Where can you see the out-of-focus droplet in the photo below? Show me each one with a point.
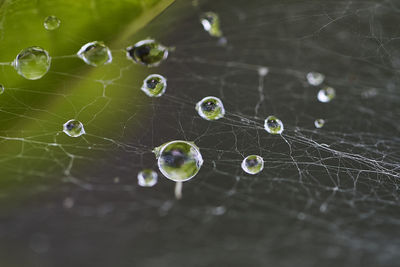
(147, 52)
(51, 23)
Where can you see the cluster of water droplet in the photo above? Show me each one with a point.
(177, 160)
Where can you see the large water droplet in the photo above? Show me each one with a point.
(32, 63)
(73, 128)
(273, 125)
(95, 53)
(253, 164)
(147, 178)
(147, 52)
(210, 108)
(211, 24)
(179, 160)
(315, 78)
(154, 85)
(326, 94)
(319, 123)
(51, 23)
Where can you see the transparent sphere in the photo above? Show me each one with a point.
(147, 178)
(154, 85)
(95, 53)
(1, 89)
(147, 52)
(326, 94)
(210, 108)
(51, 23)
(73, 128)
(273, 125)
(253, 164)
(210, 22)
(32, 63)
(315, 78)
(319, 123)
(178, 160)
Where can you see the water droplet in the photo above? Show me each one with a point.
(32, 63)
(95, 53)
(273, 125)
(147, 52)
(73, 128)
(262, 71)
(178, 160)
(319, 123)
(253, 164)
(210, 108)
(154, 85)
(210, 22)
(147, 178)
(326, 94)
(51, 23)
(1, 89)
(315, 78)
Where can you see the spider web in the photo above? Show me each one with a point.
(326, 197)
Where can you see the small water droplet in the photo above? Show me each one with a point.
(178, 160)
(147, 52)
(73, 128)
(273, 125)
(315, 78)
(147, 178)
(262, 71)
(51, 23)
(211, 24)
(319, 123)
(95, 53)
(253, 164)
(1, 89)
(32, 63)
(154, 85)
(326, 94)
(210, 108)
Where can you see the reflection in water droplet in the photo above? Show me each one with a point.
(51, 23)
(179, 160)
(210, 108)
(147, 178)
(147, 52)
(273, 125)
(253, 164)
(95, 53)
(326, 94)
(154, 85)
(319, 123)
(211, 24)
(315, 78)
(1, 89)
(73, 128)
(32, 63)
